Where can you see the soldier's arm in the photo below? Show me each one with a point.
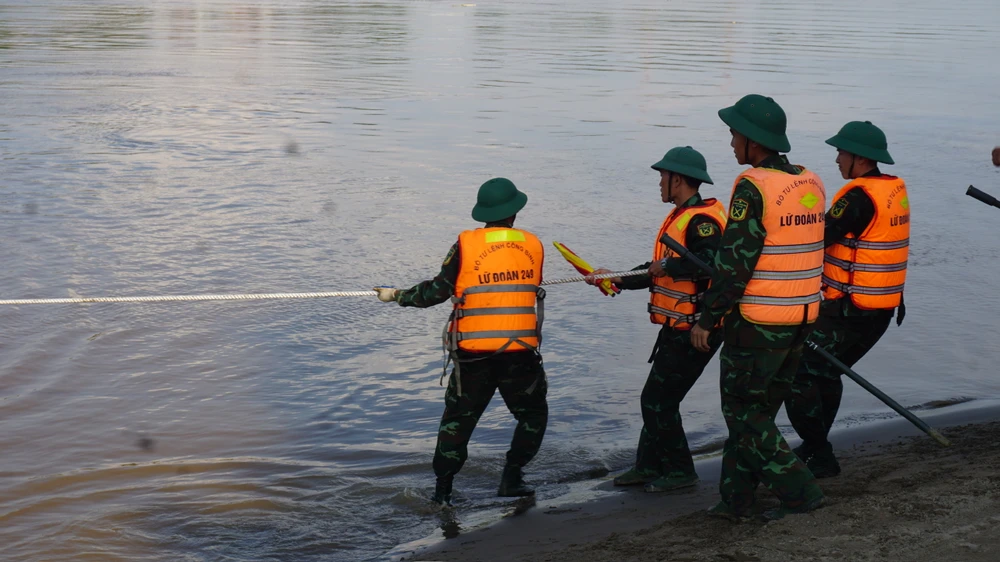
(703, 236)
(739, 250)
(851, 214)
(638, 281)
(437, 290)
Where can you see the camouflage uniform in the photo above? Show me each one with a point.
(663, 448)
(758, 365)
(518, 375)
(844, 330)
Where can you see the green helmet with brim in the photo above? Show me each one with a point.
(863, 139)
(498, 199)
(759, 119)
(685, 161)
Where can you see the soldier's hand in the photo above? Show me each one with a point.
(590, 280)
(386, 294)
(699, 339)
(996, 156)
(656, 269)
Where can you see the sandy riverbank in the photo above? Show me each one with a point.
(897, 499)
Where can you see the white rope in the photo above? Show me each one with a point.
(600, 276)
(262, 296)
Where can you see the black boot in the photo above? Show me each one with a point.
(803, 451)
(512, 483)
(823, 463)
(442, 490)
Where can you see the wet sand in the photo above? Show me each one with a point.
(898, 498)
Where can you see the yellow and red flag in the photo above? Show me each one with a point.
(581, 265)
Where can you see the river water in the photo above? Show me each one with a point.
(188, 147)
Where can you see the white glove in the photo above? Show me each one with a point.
(387, 294)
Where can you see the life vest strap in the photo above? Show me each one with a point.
(693, 278)
(873, 267)
(780, 301)
(854, 243)
(506, 288)
(486, 334)
(792, 249)
(860, 290)
(787, 275)
(681, 296)
(876, 290)
(689, 318)
(464, 312)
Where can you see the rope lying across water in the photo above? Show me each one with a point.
(264, 296)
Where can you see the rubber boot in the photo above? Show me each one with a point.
(635, 477)
(804, 507)
(803, 451)
(823, 463)
(512, 483)
(672, 482)
(723, 510)
(442, 490)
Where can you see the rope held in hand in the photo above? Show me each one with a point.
(265, 296)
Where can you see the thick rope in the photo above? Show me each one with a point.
(263, 296)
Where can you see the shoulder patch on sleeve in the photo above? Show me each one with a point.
(738, 210)
(451, 254)
(706, 229)
(839, 207)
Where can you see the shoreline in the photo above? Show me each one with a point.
(596, 521)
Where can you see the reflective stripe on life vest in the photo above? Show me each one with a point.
(674, 301)
(784, 289)
(496, 292)
(872, 268)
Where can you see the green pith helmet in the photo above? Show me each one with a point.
(685, 161)
(497, 200)
(759, 119)
(863, 139)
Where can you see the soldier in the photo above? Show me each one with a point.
(867, 243)
(663, 460)
(492, 277)
(766, 285)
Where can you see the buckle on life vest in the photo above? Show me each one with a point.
(540, 293)
(850, 243)
(457, 300)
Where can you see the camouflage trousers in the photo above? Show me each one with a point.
(815, 399)
(754, 383)
(521, 380)
(663, 446)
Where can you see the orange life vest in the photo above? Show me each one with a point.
(785, 287)
(496, 292)
(674, 300)
(872, 268)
